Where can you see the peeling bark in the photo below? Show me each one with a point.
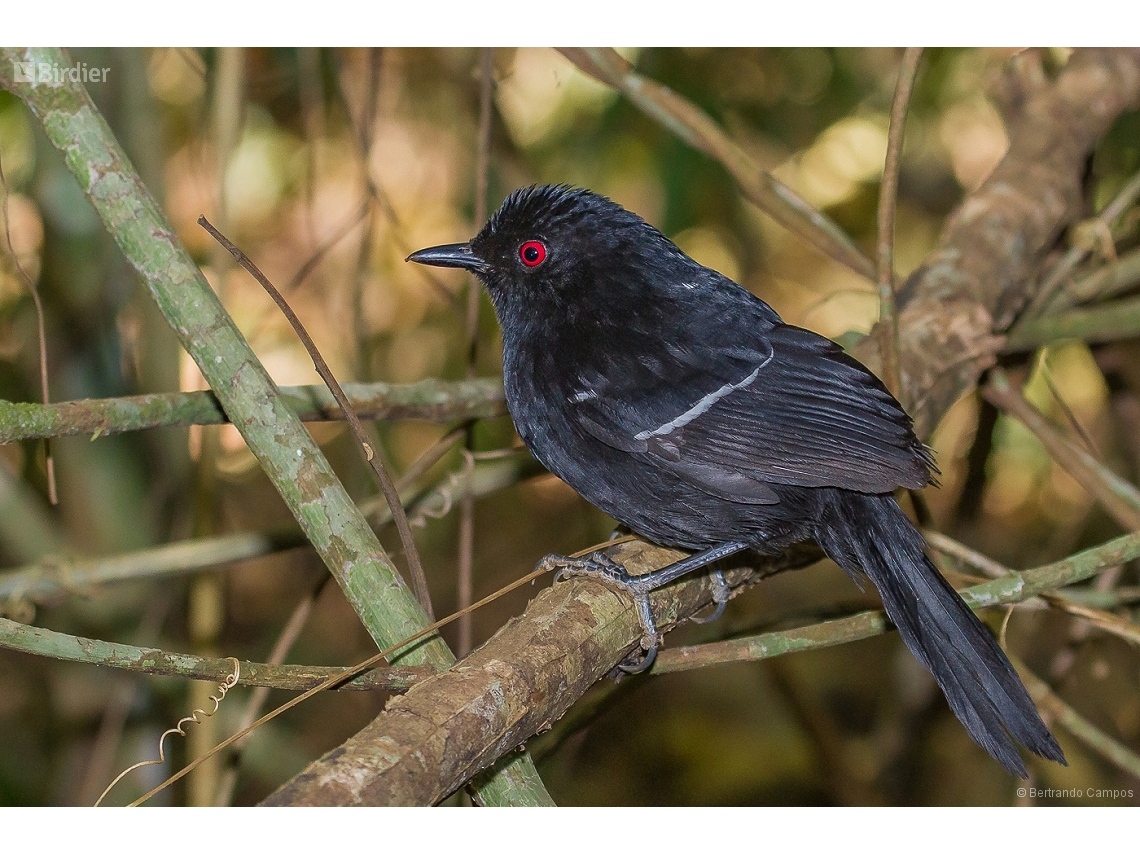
(428, 742)
(970, 289)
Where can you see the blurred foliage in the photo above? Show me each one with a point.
(325, 132)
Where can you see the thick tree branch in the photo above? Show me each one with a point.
(972, 287)
(444, 730)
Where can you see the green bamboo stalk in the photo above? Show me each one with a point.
(430, 400)
(283, 447)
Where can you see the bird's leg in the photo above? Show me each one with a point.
(605, 569)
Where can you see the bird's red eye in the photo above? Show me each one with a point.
(532, 253)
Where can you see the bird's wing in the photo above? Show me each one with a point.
(787, 408)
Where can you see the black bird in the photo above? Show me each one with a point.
(680, 404)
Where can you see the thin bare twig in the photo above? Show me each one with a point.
(697, 129)
(482, 169)
(253, 707)
(888, 204)
(1051, 295)
(349, 673)
(1092, 736)
(310, 95)
(321, 251)
(376, 191)
(53, 494)
(314, 260)
(367, 135)
(466, 558)
(960, 552)
(432, 456)
(1070, 416)
(1102, 620)
(386, 485)
(1117, 496)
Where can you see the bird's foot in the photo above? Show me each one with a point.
(720, 595)
(600, 566)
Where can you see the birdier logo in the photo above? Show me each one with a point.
(48, 72)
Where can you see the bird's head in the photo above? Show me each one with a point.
(556, 245)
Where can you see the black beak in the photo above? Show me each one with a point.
(449, 255)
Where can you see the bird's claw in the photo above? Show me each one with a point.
(720, 595)
(596, 564)
(603, 568)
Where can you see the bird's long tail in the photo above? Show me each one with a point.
(869, 534)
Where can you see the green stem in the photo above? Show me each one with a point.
(289, 456)
(56, 576)
(430, 400)
(148, 660)
(888, 203)
(1096, 325)
(1014, 588)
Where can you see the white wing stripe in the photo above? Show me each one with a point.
(702, 406)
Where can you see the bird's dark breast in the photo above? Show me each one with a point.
(634, 488)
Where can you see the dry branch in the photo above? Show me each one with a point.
(444, 730)
(1119, 498)
(697, 129)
